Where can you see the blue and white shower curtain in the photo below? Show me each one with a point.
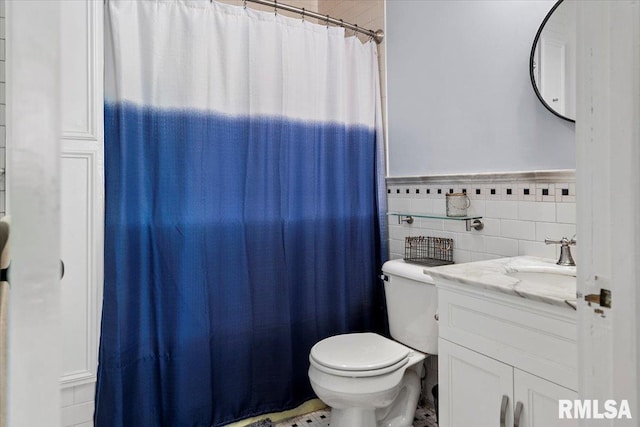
(243, 164)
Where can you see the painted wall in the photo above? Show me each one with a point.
(459, 95)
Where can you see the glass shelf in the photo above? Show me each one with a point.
(474, 222)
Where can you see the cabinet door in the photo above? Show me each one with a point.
(472, 388)
(539, 400)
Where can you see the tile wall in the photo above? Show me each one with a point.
(519, 212)
(78, 405)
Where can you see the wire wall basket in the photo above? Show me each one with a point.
(430, 251)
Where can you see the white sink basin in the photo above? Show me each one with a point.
(543, 278)
(553, 283)
(529, 277)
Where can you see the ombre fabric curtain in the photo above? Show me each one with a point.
(243, 208)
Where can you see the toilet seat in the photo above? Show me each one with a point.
(358, 355)
(358, 374)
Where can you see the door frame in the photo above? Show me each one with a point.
(33, 146)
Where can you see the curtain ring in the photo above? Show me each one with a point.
(245, 4)
(342, 23)
(275, 7)
(355, 32)
(327, 21)
(303, 14)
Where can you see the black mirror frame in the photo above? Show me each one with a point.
(531, 58)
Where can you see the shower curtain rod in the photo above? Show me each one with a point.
(378, 35)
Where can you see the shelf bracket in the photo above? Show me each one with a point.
(405, 218)
(476, 224)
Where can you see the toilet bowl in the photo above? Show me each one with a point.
(372, 381)
(369, 380)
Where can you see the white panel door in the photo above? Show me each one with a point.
(33, 149)
(472, 388)
(607, 173)
(81, 188)
(539, 399)
(552, 73)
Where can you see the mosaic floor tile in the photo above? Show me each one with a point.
(425, 417)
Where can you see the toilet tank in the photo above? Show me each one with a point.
(411, 305)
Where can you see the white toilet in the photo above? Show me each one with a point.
(369, 380)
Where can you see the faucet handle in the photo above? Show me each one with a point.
(564, 241)
(565, 252)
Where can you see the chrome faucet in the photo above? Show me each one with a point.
(565, 250)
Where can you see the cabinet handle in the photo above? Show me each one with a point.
(518, 414)
(503, 410)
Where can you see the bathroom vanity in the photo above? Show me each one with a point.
(507, 342)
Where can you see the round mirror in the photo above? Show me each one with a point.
(552, 64)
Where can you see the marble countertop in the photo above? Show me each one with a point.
(527, 277)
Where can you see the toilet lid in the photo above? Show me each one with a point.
(358, 352)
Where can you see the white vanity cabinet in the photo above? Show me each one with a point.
(501, 354)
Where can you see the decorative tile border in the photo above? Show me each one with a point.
(538, 186)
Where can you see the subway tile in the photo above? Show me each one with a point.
(536, 211)
(399, 205)
(566, 213)
(397, 247)
(501, 246)
(469, 242)
(537, 249)
(455, 226)
(399, 232)
(501, 209)
(440, 206)
(554, 231)
(478, 207)
(421, 206)
(392, 220)
(432, 224)
(84, 393)
(525, 230)
(460, 257)
(66, 396)
(77, 414)
(491, 227)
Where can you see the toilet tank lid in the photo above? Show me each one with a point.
(398, 267)
(358, 352)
